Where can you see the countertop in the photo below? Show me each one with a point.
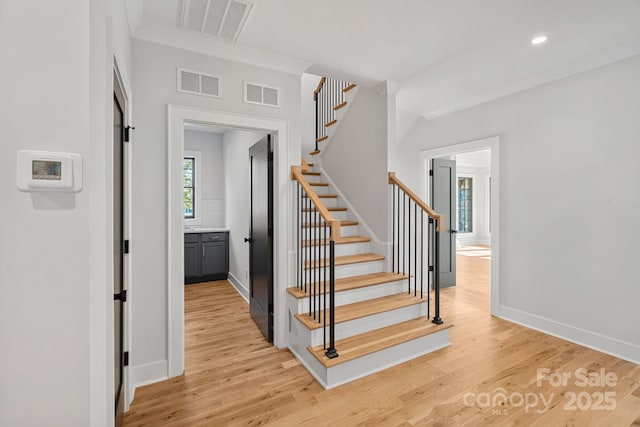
(196, 229)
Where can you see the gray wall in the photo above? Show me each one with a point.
(356, 159)
(238, 205)
(212, 175)
(154, 84)
(569, 200)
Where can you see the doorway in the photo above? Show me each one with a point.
(261, 237)
(178, 116)
(119, 297)
(473, 224)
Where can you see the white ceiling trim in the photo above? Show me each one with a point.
(585, 63)
(178, 39)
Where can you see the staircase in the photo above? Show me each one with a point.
(349, 316)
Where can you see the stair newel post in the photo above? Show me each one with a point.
(436, 279)
(331, 351)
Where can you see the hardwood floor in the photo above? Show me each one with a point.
(233, 377)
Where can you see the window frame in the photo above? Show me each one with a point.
(473, 179)
(197, 180)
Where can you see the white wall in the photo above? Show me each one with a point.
(55, 324)
(238, 205)
(212, 168)
(154, 83)
(356, 160)
(568, 162)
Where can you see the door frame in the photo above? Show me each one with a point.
(178, 115)
(492, 143)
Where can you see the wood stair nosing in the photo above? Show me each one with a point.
(322, 138)
(323, 196)
(370, 342)
(314, 152)
(344, 260)
(343, 223)
(339, 106)
(358, 310)
(348, 88)
(331, 123)
(340, 241)
(319, 184)
(353, 282)
(332, 209)
(310, 173)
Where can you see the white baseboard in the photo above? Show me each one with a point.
(611, 346)
(149, 373)
(239, 286)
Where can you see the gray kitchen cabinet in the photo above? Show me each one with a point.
(206, 256)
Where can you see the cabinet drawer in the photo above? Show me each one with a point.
(214, 237)
(192, 238)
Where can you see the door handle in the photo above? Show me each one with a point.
(247, 239)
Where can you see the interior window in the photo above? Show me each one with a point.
(188, 179)
(465, 205)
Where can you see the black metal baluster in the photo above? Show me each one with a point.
(436, 281)
(415, 249)
(324, 279)
(331, 351)
(409, 245)
(422, 255)
(393, 226)
(398, 233)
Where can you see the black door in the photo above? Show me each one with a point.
(261, 238)
(118, 248)
(443, 201)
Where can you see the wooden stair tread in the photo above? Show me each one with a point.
(370, 342)
(357, 310)
(339, 106)
(342, 224)
(314, 152)
(323, 196)
(345, 260)
(311, 173)
(322, 138)
(340, 241)
(353, 282)
(331, 123)
(318, 184)
(348, 88)
(334, 209)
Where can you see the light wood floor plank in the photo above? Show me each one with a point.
(233, 377)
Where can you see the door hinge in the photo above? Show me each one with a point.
(127, 133)
(125, 358)
(430, 220)
(431, 268)
(430, 172)
(125, 247)
(122, 296)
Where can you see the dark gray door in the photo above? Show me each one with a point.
(443, 201)
(261, 237)
(118, 248)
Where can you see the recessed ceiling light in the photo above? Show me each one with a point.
(538, 40)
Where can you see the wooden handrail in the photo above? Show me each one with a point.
(296, 174)
(319, 88)
(418, 201)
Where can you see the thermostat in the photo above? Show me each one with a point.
(49, 171)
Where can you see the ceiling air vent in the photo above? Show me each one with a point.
(198, 83)
(259, 94)
(223, 19)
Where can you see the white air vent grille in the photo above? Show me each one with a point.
(260, 94)
(198, 83)
(218, 18)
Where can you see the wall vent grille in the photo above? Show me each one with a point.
(255, 93)
(198, 83)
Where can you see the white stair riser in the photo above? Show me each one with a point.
(356, 295)
(383, 359)
(341, 250)
(321, 190)
(314, 178)
(369, 323)
(347, 270)
(330, 202)
(350, 230)
(311, 217)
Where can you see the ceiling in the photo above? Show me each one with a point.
(438, 56)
